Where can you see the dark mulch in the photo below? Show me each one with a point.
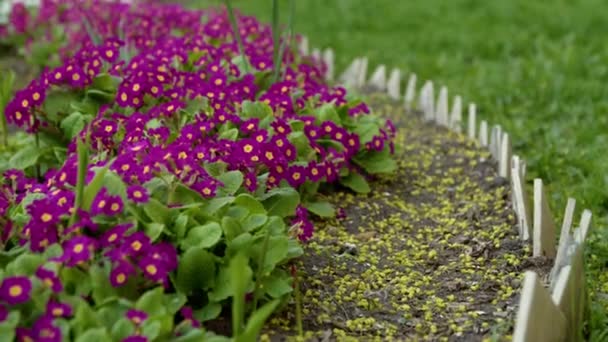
(431, 253)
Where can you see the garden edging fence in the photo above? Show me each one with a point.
(544, 314)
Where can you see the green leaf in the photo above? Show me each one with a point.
(72, 124)
(93, 188)
(58, 102)
(95, 334)
(154, 230)
(327, 112)
(294, 249)
(180, 225)
(208, 312)
(204, 236)
(122, 329)
(215, 204)
(281, 201)
(356, 182)
(196, 270)
(195, 335)
(230, 134)
(321, 208)
(84, 319)
(251, 203)
(25, 264)
(174, 302)
(256, 321)
(301, 142)
(231, 227)
(232, 181)
(254, 221)
(25, 157)
(277, 286)
(276, 252)
(377, 162)
(240, 277)
(157, 211)
(256, 109)
(151, 302)
(102, 288)
(151, 328)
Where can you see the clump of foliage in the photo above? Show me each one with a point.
(160, 184)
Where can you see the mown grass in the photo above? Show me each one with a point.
(538, 68)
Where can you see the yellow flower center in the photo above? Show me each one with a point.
(78, 248)
(15, 291)
(151, 269)
(46, 217)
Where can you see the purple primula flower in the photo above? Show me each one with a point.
(15, 290)
(56, 309)
(78, 250)
(49, 279)
(188, 316)
(45, 331)
(114, 236)
(135, 338)
(136, 316)
(136, 243)
(121, 273)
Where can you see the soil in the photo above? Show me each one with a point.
(432, 253)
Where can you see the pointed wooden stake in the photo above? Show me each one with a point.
(348, 77)
(393, 84)
(316, 54)
(362, 72)
(441, 111)
(329, 59)
(544, 226)
(538, 319)
(456, 115)
(570, 295)
(585, 224)
(410, 92)
(520, 199)
(427, 98)
(304, 46)
(378, 78)
(495, 141)
(472, 121)
(483, 133)
(504, 162)
(565, 240)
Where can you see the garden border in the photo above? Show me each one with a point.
(550, 313)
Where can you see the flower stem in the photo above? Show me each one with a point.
(237, 33)
(298, 298)
(260, 271)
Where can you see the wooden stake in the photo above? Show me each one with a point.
(378, 78)
(472, 121)
(410, 92)
(495, 141)
(538, 319)
(483, 133)
(544, 226)
(441, 112)
(565, 240)
(329, 59)
(393, 84)
(520, 199)
(362, 72)
(456, 115)
(504, 162)
(348, 77)
(316, 54)
(304, 46)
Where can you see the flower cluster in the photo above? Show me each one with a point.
(178, 138)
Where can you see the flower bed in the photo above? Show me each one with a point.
(164, 177)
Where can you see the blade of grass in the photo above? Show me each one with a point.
(5, 94)
(83, 163)
(276, 39)
(237, 34)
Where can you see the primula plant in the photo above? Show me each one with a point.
(161, 186)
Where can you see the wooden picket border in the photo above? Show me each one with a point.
(547, 312)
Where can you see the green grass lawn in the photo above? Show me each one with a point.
(538, 68)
